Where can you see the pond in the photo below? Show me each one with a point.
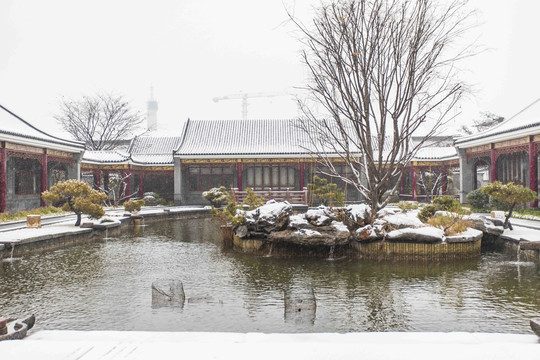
(106, 285)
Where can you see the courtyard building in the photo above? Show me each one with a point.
(31, 161)
(507, 152)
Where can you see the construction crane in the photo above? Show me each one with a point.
(245, 96)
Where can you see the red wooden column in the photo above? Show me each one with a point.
(444, 179)
(44, 173)
(302, 168)
(533, 171)
(127, 176)
(239, 176)
(3, 178)
(493, 164)
(141, 184)
(413, 182)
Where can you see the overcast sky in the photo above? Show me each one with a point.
(194, 50)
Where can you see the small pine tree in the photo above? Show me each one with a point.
(76, 196)
(253, 200)
(327, 194)
(510, 194)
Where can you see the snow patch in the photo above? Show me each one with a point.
(296, 220)
(358, 212)
(307, 232)
(339, 226)
(427, 231)
(407, 219)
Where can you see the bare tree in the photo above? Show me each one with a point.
(487, 120)
(430, 183)
(100, 121)
(382, 71)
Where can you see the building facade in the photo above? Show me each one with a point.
(507, 152)
(31, 161)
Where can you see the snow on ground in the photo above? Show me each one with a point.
(90, 345)
(404, 219)
(318, 212)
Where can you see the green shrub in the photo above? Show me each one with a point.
(447, 203)
(427, 212)
(326, 194)
(407, 205)
(478, 199)
(217, 196)
(253, 200)
(134, 205)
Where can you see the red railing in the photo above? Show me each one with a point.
(292, 196)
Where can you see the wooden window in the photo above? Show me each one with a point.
(205, 178)
(274, 177)
(27, 177)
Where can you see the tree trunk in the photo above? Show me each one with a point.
(507, 224)
(78, 222)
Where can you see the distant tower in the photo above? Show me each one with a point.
(152, 108)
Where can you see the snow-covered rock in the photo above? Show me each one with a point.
(403, 220)
(468, 235)
(358, 212)
(424, 234)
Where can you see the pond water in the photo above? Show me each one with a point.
(106, 285)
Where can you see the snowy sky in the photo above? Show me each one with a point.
(194, 50)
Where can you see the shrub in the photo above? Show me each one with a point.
(407, 205)
(447, 203)
(217, 196)
(450, 224)
(427, 212)
(253, 200)
(134, 205)
(327, 194)
(478, 199)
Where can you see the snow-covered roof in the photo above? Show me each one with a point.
(153, 149)
(14, 129)
(143, 150)
(221, 138)
(525, 122)
(105, 156)
(242, 137)
(436, 153)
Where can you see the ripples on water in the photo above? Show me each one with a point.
(106, 286)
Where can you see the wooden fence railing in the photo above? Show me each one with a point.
(292, 196)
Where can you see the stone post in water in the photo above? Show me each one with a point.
(168, 293)
(300, 305)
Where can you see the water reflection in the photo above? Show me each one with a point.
(107, 285)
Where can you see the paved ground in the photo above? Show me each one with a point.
(89, 345)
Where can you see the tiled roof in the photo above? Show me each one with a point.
(153, 150)
(105, 156)
(242, 137)
(436, 153)
(528, 117)
(261, 137)
(11, 124)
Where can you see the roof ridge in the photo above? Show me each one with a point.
(74, 142)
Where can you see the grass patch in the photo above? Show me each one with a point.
(21, 215)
